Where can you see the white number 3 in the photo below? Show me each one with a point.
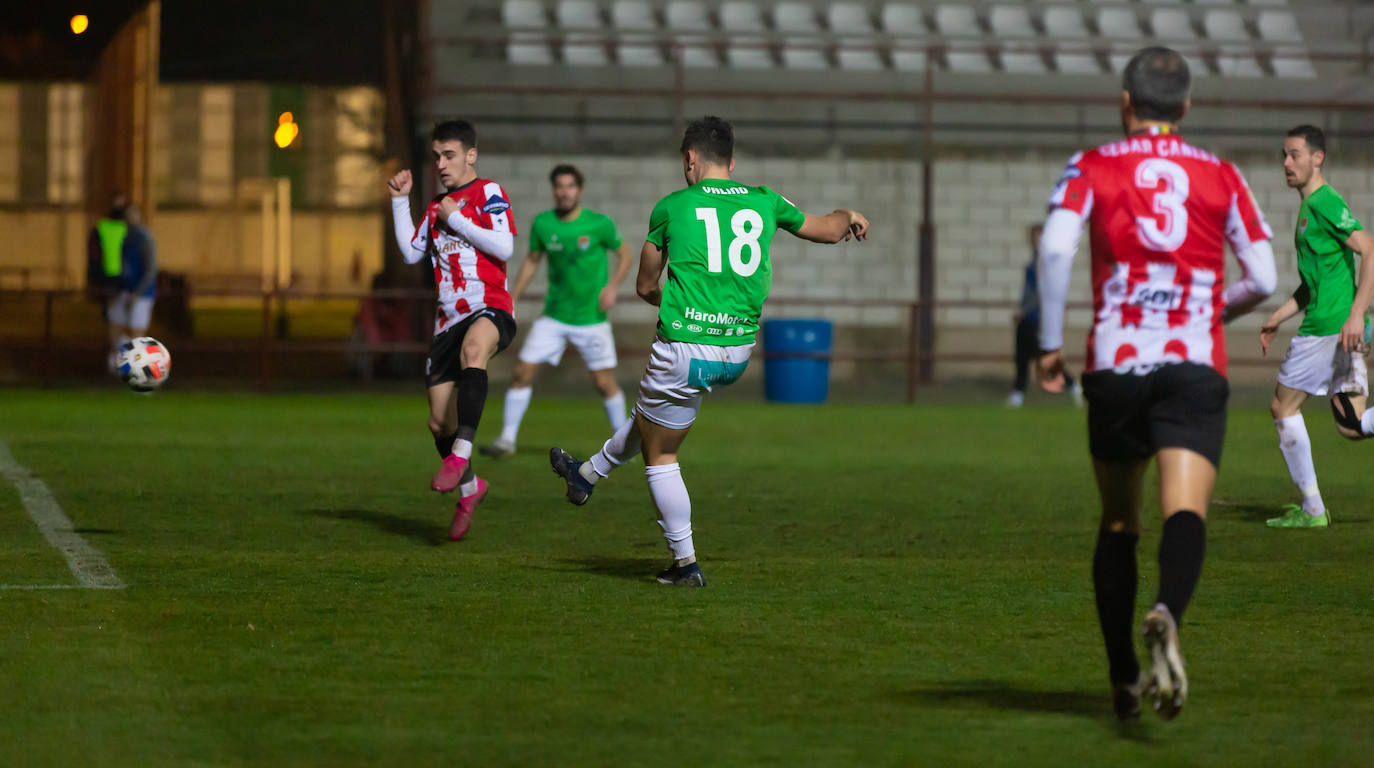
(1168, 204)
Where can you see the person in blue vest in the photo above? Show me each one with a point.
(1028, 333)
(132, 309)
(104, 262)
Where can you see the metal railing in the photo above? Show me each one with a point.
(265, 345)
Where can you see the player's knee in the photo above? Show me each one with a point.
(475, 354)
(436, 425)
(1278, 410)
(606, 386)
(522, 376)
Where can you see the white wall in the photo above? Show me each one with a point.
(983, 206)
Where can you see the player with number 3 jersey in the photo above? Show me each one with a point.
(1160, 213)
(713, 237)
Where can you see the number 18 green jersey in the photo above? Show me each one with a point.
(715, 235)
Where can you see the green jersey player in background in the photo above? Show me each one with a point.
(574, 240)
(1327, 355)
(713, 238)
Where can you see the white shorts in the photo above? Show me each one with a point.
(679, 372)
(1319, 366)
(548, 338)
(130, 311)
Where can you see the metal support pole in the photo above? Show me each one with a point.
(47, 339)
(913, 350)
(925, 267)
(265, 361)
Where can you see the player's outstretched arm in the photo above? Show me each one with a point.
(1289, 308)
(651, 263)
(398, 187)
(623, 260)
(528, 268)
(1054, 266)
(834, 227)
(1256, 285)
(1352, 333)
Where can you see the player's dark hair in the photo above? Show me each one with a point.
(455, 130)
(711, 137)
(1157, 79)
(565, 170)
(1315, 138)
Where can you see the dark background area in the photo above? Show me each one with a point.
(309, 41)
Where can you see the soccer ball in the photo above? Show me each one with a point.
(144, 364)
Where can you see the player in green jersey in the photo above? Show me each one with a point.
(574, 240)
(713, 238)
(1327, 355)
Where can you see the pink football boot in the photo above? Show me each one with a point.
(462, 514)
(450, 473)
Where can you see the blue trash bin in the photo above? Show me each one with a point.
(796, 360)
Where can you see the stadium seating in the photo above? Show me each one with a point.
(855, 50)
(904, 20)
(634, 21)
(749, 50)
(1013, 22)
(526, 47)
(1230, 38)
(689, 21)
(585, 48)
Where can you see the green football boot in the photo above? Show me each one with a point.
(1295, 517)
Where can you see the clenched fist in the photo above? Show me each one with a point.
(399, 185)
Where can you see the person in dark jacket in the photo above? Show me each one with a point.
(1028, 333)
(132, 308)
(104, 262)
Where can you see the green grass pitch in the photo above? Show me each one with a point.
(886, 586)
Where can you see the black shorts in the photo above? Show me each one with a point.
(1132, 417)
(446, 348)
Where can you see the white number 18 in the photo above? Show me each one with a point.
(747, 226)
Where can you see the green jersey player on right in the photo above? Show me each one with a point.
(1327, 355)
(713, 237)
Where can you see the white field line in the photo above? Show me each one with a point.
(89, 566)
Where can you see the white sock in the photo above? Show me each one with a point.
(622, 446)
(1367, 422)
(462, 448)
(468, 488)
(1297, 453)
(615, 409)
(517, 401)
(674, 508)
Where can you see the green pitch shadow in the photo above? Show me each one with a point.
(1258, 513)
(630, 568)
(421, 531)
(1001, 695)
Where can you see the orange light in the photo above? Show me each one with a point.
(287, 130)
(285, 134)
(80, 23)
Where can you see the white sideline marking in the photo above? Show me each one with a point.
(87, 563)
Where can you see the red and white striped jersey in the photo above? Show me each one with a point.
(1159, 212)
(468, 279)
